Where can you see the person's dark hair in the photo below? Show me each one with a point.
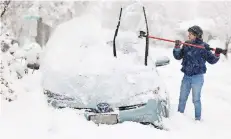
(196, 30)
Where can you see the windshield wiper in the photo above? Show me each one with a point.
(116, 32)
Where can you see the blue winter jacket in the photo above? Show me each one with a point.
(194, 58)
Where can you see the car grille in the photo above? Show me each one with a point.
(61, 101)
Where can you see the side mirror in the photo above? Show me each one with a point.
(162, 61)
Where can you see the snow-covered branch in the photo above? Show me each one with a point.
(4, 6)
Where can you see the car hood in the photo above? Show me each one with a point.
(117, 89)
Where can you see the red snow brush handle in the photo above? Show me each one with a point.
(143, 34)
(198, 46)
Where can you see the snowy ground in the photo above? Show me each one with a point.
(29, 116)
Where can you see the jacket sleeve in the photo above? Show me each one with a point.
(210, 57)
(178, 53)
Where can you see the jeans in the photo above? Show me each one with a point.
(195, 83)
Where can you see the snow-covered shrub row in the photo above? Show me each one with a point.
(15, 62)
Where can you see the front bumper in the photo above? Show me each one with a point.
(143, 113)
(147, 113)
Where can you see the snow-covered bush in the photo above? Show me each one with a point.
(6, 91)
(14, 61)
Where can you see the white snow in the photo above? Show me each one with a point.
(30, 117)
(92, 67)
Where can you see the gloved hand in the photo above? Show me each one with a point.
(177, 43)
(218, 51)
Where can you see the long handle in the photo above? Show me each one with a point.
(143, 34)
(198, 46)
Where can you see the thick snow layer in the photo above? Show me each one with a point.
(81, 64)
(30, 117)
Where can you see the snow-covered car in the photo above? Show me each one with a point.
(80, 71)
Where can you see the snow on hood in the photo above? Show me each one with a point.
(78, 62)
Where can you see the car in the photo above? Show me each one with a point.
(79, 71)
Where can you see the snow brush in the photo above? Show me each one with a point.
(143, 34)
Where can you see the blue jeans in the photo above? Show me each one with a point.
(195, 83)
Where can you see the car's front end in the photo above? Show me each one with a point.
(150, 111)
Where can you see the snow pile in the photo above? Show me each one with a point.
(94, 74)
(31, 52)
(30, 117)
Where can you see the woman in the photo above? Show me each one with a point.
(193, 67)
